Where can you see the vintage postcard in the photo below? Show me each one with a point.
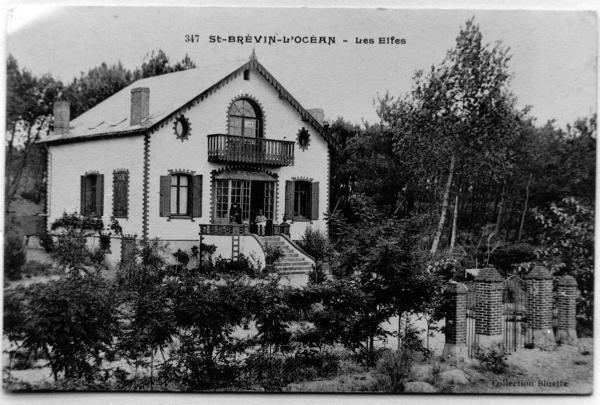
(333, 200)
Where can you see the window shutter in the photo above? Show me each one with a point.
(120, 194)
(314, 203)
(100, 195)
(82, 196)
(165, 196)
(289, 199)
(197, 197)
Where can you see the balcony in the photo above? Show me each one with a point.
(239, 149)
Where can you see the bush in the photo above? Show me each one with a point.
(42, 316)
(493, 359)
(14, 256)
(393, 370)
(47, 242)
(273, 254)
(315, 243)
(506, 257)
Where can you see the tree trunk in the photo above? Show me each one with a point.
(500, 211)
(521, 225)
(454, 224)
(400, 328)
(151, 369)
(442, 222)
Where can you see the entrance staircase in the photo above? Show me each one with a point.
(293, 261)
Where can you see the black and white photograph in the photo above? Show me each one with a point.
(299, 200)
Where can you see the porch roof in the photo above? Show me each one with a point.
(244, 175)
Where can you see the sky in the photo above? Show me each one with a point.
(553, 65)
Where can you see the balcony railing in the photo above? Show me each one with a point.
(241, 149)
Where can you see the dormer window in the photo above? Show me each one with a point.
(245, 119)
(247, 74)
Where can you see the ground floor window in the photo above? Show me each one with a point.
(301, 199)
(242, 200)
(181, 195)
(92, 195)
(180, 188)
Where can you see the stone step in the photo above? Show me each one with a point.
(286, 263)
(294, 267)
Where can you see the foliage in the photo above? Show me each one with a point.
(47, 242)
(392, 371)
(14, 256)
(82, 309)
(74, 221)
(274, 316)
(379, 275)
(393, 368)
(506, 258)
(567, 246)
(316, 244)
(70, 250)
(273, 254)
(493, 359)
(182, 257)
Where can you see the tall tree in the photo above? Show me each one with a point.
(28, 117)
(460, 116)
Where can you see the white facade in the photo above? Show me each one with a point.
(68, 162)
(281, 122)
(165, 153)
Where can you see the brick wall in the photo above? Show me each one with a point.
(539, 298)
(566, 302)
(456, 313)
(488, 312)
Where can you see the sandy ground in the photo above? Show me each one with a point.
(565, 370)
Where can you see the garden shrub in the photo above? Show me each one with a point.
(82, 309)
(316, 244)
(493, 359)
(14, 256)
(273, 254)
(393, 370)
(47, 242)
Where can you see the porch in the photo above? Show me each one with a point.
(245, 229)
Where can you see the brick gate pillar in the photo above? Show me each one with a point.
(488, 320)
(455, 348)
(566, 302)
(539, 308)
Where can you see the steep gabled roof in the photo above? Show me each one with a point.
(169, 94)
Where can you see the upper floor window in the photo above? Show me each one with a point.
(245, 118)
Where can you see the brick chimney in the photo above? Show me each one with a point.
(140, 105)
(317, 114)
(62, 116)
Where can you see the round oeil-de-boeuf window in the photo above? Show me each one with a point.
(303, 138)
(182, 128)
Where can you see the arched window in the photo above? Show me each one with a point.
(245, 119)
